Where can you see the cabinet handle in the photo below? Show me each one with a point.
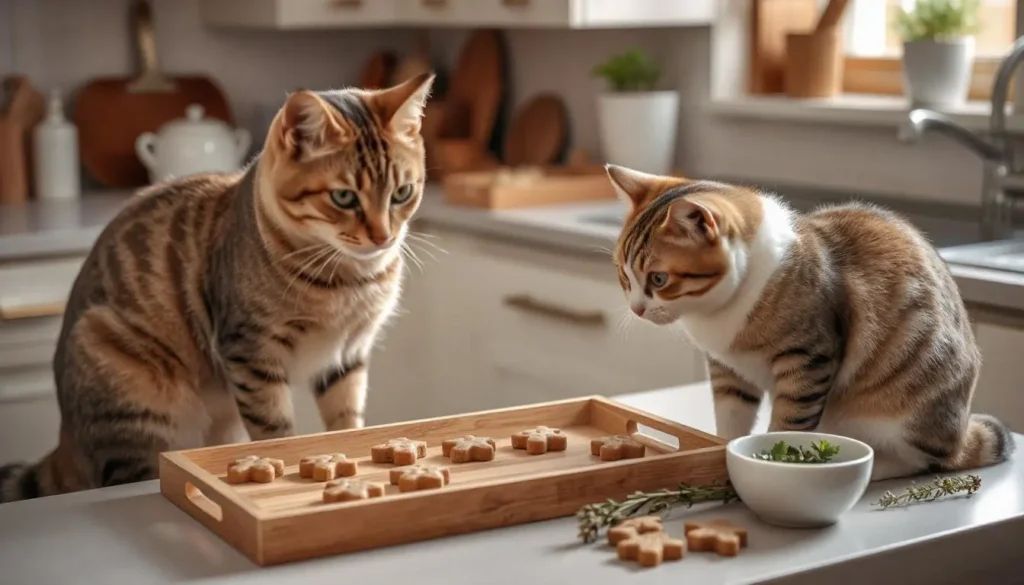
(32, 311)
(347, 3)
(515, 2)
(435, 3)
(532, 305)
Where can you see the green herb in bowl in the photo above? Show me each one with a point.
(820, 452)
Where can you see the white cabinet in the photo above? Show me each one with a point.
(572, 14)
(299, 14)
(508, 324)
(32, 295)
(1000, 389)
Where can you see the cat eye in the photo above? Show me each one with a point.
(657, 279)
(344, 198)
(402, 194)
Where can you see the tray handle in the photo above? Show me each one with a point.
(630, 421)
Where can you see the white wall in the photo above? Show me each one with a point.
(65, 42)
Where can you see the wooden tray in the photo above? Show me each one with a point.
(287, 521)
(555, 185)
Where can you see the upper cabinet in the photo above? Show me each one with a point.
(580, 14)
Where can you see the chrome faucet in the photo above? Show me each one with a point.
(1003, 181)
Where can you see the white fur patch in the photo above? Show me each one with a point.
(735, 296)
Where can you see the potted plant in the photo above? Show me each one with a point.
(638, 123)
(938, 51)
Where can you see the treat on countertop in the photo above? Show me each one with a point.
(633, 526)
(651, 548)
(719, 536)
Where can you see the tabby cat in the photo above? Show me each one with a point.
(845, 318)
(208, 299)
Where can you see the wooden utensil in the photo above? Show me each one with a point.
(814, 64)
(24, 107)
(771, 21)
(111, 112)
(831, 16)
(378, 71)
(478, 81)
(538, 133)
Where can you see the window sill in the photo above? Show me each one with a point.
(851, 110)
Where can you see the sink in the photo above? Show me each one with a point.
(1006, 255)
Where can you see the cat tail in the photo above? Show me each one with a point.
(20, 481)
(988, 441)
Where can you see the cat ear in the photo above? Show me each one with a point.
(402, 105)
(307, 128)
(631, 186)
(693, 219)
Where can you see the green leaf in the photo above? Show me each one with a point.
(938, 20)
(629, 71)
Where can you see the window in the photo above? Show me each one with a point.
(873, 46)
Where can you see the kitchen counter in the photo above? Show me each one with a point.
(131, 534)
(71, 227)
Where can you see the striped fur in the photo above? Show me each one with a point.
(209, 299)
(846, 319)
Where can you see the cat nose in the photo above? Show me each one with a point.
(380, 238)
(638, 310)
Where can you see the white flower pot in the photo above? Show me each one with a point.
(638, 129)
(937, 74)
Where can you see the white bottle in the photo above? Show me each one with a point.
(55, 154)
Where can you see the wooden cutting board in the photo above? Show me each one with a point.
(538, 133)
(112, 112)
(771, 20)
(23, 108)
(478, 82)
(378, 71)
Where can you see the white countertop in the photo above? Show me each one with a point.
(131, 534)
(70, 227)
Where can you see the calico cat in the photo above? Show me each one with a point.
(845, 318)
(208, 299)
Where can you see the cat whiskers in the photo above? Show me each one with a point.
(325, 249)
(623, 322)
(408, 252)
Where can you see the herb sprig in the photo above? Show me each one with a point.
(820, 452)
(593, 517)
(938, 488)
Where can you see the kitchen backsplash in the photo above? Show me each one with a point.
(63, 43)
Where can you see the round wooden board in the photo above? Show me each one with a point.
(378, 71)
(538, 132)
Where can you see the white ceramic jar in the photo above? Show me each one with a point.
(192, 145)
(638, 129)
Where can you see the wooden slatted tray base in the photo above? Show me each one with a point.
(286, 520)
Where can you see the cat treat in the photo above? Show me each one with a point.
(632, 527)
(327, 467)
(540, 440)
(617, 447)
(420, 477)
(255, 469)
(715, 536)
(651, 548)
(347, 490)
(468, 448)
(400, 451)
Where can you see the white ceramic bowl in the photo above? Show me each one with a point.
(799, 495)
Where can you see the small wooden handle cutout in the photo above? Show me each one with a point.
(633, 430)
(199, 500)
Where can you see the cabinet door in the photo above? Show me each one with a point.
(299, 14)
(518, 326)
(999, 389)
(489, 13)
